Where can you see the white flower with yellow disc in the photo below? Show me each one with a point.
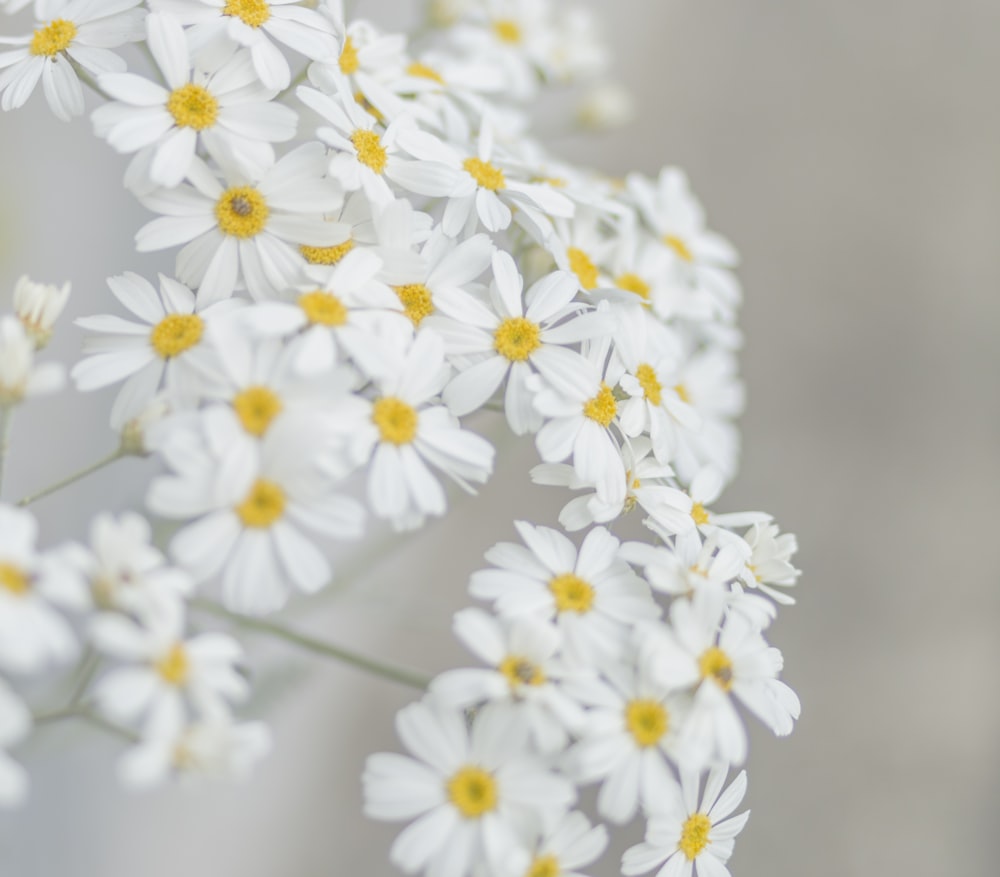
(559, 849)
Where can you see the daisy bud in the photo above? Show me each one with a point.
(605, 106)
(19, 376)
(135, 430)
(38, 306)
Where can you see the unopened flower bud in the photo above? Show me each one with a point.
(38, 306)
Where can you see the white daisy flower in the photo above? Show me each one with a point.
(15, 724)
(224, 109)
(560, 849)
(76, 32)
(20, 377)
(156, 352)
(38, 306)
(705, 489)
(471, 791)
(583, 246)
(770, 564)
(593, 597)
(247, 230)
(689, 838)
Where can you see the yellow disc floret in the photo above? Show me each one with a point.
(516, 338)
(256, 407)
(174, 666)
(473, 791)
(416, 300)
(52, 39)
(633, 283)
(371, 152)
(242, 212)
(176, 333)
(651, 387)
(716, 664)
(253, 13)
(680, 248)
(13, 580)
(603, 407)
(582, 266)
(507, 31)
(521, 671)
(193, 107)
(694, 835)
(572, 593)
(323, 308)
(264, 504)
(326, 255)
(485, 174)
(699, 514)
(544, 866)
(396, 421)
(348, 61)
(647, 721)
(422, 71)
(682, 393)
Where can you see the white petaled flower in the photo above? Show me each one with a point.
(584, 246)
(526, 669)
(147, 355)
(38, 306)
(470, 791)
(250, 501)
(688, 566)
(514, 336)
(560, 849)
(770, 564)
(691, 838)
(216, 24)
(247, 230)
(15, 723)
(166, 673)
(75, 32)
(705, 489)
(20, 377)
(224, 109)
(593, 597)
(34, 635)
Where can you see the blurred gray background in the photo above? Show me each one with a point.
(852, 152)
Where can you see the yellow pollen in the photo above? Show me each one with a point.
(193, 107)
(253, 13)
(264, 504)
(52, 39)
(716, 664)
(242, 212)
(473, 792)
(694, 835)
(416, 300)
(349, 58)
(396, 421)
(603, 407)
(682, 393)
(647, 721)
(173, 667)
(368, 106)
(323, 308)
(699, 513)
(485, 174)
(633, 283)
(176, 333)
(370, 150)
(572, 593)
(517, 338)
(326, 255)
(651, 386)
(753, 572)
(679, 247)
(544, 866)
(520, 671)
(422, 71)
(256, 408)
(507, 31)
(13, 580)
(581, 265)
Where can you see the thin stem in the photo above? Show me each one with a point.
(88, 80)
(72, 479)
(88, 667)
(85, 713)
(6, 421)
(258, 625)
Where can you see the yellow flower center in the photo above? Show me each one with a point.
(521, 671)
(473, 792)
(349, 58)
(507, 31)
(176, 333)
(371, 152)
(682, 393)
(416, 300)
(603, 407)
(699, 514)
(651, 387)
(716, 664)
(242, 212)
(634, 283)
(647, 721)
(256, 408)
(544, 866)
(193, 107)
(694, 835)
(264, 504)
(572, 593)
(422, 71)
(516, 338)
(677, 244)
(13, 580)
(485, 174)
(173, 667)
(396, 421)
(581, 265)
(326, 255)
(52, 39)
(251, 12)
(323, 308)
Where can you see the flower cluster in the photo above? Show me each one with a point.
(367, 255)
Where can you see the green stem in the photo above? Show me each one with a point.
(88, 80)
(6, 421)
(72, 479)
(86, 714)
(258, 625)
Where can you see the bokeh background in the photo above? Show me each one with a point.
(852, 152)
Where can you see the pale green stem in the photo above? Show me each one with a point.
(86, 714)
(88, 80)
(6, 421)
(72, 479)
(258, 625)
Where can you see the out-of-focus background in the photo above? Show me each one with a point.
(853, 154)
